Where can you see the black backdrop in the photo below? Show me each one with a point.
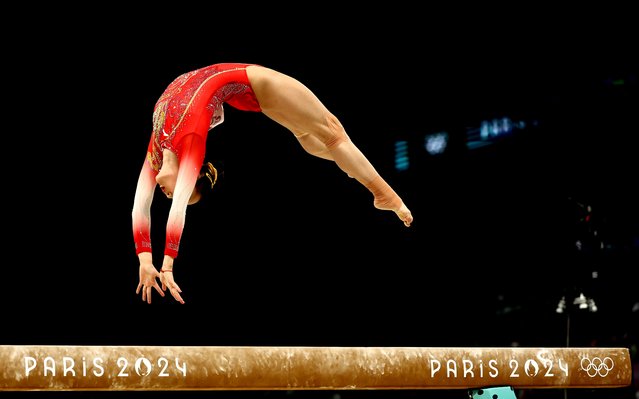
(289, 251)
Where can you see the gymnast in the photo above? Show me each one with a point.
(190, 106)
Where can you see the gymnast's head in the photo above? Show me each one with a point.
(204, 184)
(167, 177)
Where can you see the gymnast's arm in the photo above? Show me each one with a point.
(191, 158)
(141, 218)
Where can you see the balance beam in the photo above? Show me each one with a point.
(149, 368)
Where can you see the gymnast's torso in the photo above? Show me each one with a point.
(192, 104)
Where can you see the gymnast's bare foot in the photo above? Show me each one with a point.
(405, 215)
(402, 211)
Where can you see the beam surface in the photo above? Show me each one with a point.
(307, 368)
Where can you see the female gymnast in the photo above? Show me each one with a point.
(192, 105)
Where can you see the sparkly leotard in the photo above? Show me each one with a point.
(189, 107)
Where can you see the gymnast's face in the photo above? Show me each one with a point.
(167, 178)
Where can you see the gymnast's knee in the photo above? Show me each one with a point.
(337, 133)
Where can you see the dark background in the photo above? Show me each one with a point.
(290, 251)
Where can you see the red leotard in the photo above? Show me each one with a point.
(189, 107)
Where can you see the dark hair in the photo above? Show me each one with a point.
(206, 179)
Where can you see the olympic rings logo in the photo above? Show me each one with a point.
(597, 366)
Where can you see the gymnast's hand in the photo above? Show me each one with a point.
(166, 276)
(148, 278)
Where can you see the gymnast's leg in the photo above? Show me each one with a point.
(293, 105)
